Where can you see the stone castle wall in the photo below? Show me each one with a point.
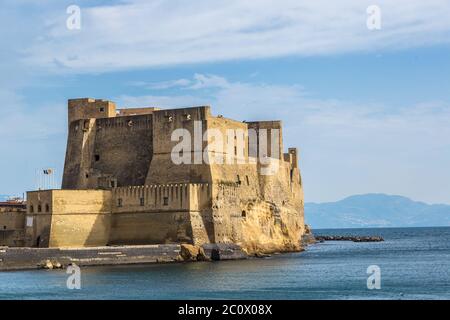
(12, 224)
(68, 218)
(125, 188)
(108, 152)
(122, 216)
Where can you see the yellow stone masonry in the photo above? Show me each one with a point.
(121, 187)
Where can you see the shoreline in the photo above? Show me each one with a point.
(25, 258)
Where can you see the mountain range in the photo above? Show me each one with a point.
(376, 210)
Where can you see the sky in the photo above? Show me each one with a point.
(368, 109)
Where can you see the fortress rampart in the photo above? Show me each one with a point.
(121, 185)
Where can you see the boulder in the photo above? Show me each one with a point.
(48, 265)
(201, 256)
(224, 251)
(189, 252)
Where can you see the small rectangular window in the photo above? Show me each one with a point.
(102, 109)
(119, 202)
(29, 221)
(97, 157)
(141, 201)
(166, 201)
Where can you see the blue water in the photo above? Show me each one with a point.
(414, 262)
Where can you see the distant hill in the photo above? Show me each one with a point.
(376, 210)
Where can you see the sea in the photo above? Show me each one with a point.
(412, 263)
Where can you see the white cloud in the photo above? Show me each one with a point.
(137, 33)
(345, 148)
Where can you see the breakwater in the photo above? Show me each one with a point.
(321, 238)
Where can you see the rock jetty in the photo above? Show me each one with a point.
(349, 238)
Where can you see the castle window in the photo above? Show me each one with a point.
(166, 201)
(39, 208)
(102, 109)
(113, 183)
(47, 208)
(248, 181)
(141, 201)
(244, 214)
(31, 209)
(119, 202)
(238, 179)
(97, 157)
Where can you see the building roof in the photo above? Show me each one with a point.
(13, 204)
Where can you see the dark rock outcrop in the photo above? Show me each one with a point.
(190, 252)
(350, 238)
(224, 251)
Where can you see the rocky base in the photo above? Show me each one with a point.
(58, 258)
(308, 239)
(224, 251)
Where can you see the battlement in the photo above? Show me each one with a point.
(174, 196)
(127, 122)
(86, 108)
(136, 111)
(180, 115)
(270, 124)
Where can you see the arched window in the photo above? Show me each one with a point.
(31, 209)
(39, 208)
(47, 208)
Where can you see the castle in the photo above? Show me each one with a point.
(122, 186)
